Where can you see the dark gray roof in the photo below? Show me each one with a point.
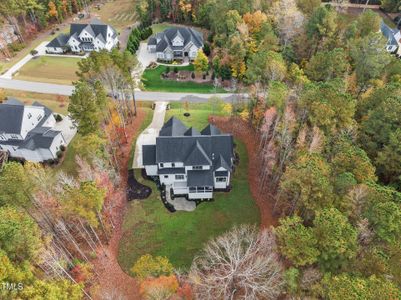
(152, 41)
(39, 137)
(175, 149)
(221, 173)
(197, 156)
(11, 116)
(174, 144)
(192, 132)
(173, 127)
(94, 28)
(171, 171)
(13, 101)
(200, 178)
(221, 162)
(167, 36)
(210, 130)
(59, 41)
(149, 155)
(389, 34)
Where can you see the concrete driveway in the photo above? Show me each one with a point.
(144, 56)
(67, 128)
(148, 136)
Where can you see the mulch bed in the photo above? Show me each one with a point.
(135, 189)
(242, 131)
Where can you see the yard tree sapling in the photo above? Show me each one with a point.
(201, 62)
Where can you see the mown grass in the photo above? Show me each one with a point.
(149, 228)
(56, 103)
(60, 70)
(152, 81)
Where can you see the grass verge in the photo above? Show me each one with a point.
(152, 81)
(60, 70)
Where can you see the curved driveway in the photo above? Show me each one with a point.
(66, 90)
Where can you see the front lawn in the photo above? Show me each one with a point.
(149, 228)
(60, 70)
(152, 81)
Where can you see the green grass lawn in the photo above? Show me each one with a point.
(152, 81)
(149, 228)
(50, 69)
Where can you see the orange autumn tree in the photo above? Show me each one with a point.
(254, 21)
(161, 288)
(52, 9)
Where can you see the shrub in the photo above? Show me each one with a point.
(175, 70)
(158, 288)
(34, 52)
(193, 75)
(16, 46)
(213, 76)
(149, 266)
(59, 154)
(58, 118)
(204, 76)
(206, 49)
(62, 148)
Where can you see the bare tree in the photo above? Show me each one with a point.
(241, 264)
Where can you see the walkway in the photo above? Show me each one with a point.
(148, 136)
(180, 203)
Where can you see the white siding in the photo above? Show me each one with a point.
(151, 170)
(32, 116)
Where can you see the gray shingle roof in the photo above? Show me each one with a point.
(167, 36)
(221, 173)
(59, 41)
(197, 156)
(192, 132)
(389, 34)
(200, 178)
(149, 155)
(171, 171)
(221, 162)
(210, 130)
(95, 28)
(11, 116)
(173, 127)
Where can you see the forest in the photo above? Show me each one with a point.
(325, 105)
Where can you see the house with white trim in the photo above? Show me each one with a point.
(191, 163)
(393, 37)
(27, 131)
(176, 43)
(94, 36)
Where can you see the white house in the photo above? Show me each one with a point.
(176, 43)
(26, 131)
(393, 39)
(191, 163)
(94, 36)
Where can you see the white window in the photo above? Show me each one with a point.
(197, 167)
(179, 177)
(173, 165)
(161, 165)
(221, 179)
(29, 115)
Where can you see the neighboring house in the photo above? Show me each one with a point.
(95, 36)
(176, 43)
(189, 162)
(26, 131)
(393, 39)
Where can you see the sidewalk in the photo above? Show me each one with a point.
(148, 136)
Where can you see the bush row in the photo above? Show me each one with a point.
(138, 34)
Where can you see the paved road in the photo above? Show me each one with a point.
(66, 90)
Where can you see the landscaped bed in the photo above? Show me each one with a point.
(153, 81)
(60, 70)
(150, 228)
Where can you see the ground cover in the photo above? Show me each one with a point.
(152, 81)
(51, 69)
(117, 13)
(149, 228)
(56, 103)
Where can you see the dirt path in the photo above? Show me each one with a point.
(113, 283)
(251, 140)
